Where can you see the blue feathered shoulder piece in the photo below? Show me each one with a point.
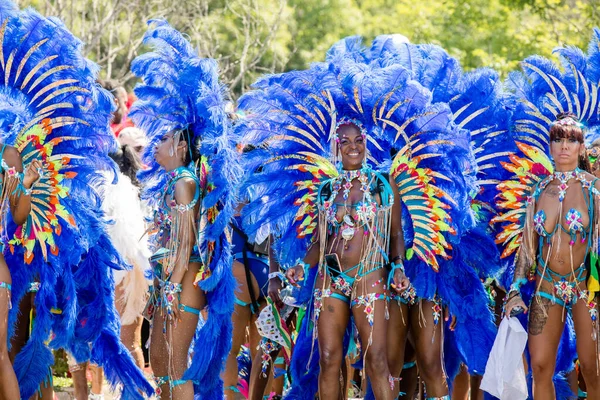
(52, 110)
(181, 90)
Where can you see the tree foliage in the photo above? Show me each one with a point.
(254, 37)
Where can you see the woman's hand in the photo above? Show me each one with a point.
(449, 317)
(295, 275)
(175, 311)
(32, 173)
(275, 285)
(513, 303)
(400, 282)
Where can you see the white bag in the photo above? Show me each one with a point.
(504, 375)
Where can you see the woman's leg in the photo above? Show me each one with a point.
(240, 319)
(79, 375)
(397, 329)
(21, 335)
(587, 349)
(258, 382)
(331, 325)
(374, 345)
(169, 352)
(462, 383)
(545, 329)
(410, 373)
(97, 380)
(476, 392)
(131, 335)
(9, 388)
(428, 337)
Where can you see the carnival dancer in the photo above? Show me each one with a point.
(16, 197)
(190, 183)
(475, 102)
(349, 262)
(301, 123)
(556, 228)
(54, 112)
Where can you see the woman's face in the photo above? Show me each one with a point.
(565, 152)
(351, 147)
(164, 152)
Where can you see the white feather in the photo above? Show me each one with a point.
(126, 227)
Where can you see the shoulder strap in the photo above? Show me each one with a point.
(2, 162)
(382, 187)
(324, 192)
(186, 173)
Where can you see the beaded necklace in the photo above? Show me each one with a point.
(365, 211)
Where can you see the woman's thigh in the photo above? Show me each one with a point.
(546, 324)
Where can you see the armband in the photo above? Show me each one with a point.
(277, 274)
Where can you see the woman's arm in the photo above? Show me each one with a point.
(295, 274)
(18, 186)
(183, 234)
(397, 249)
(525, 258)
(275, 282)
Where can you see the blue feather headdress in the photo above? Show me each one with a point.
(52, 110)
(291, 122)
(181, 90)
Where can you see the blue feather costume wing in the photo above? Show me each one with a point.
(180, 90)
(52, 109)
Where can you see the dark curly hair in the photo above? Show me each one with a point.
(193, 153)
(128, 163)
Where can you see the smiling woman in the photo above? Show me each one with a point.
(351, 145)
(359, 223)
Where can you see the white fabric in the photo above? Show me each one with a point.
(504, 375)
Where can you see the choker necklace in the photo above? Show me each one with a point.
(563, 178)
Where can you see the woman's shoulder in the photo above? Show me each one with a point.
(588, 180)
(11, 158)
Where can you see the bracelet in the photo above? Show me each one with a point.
(277, 274)
(515, 287)
(170, 290)
(395, 265)
(393, 260)
(304, 266)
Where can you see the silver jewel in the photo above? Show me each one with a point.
(348, 220)
(348, 233)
